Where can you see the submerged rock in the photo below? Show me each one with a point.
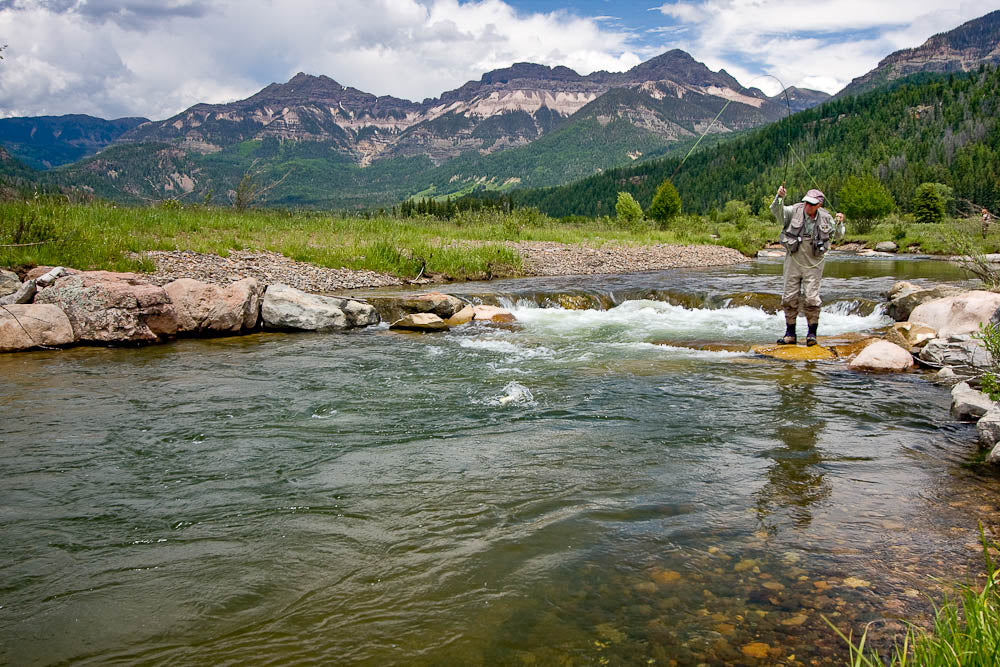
(795, 352)
(24, 326)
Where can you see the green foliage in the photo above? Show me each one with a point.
(864, 200)
(666, 204)
(737, 213)
(989, 335)
(928, 205)
(925, 128)
(628, 211)
(965, 631)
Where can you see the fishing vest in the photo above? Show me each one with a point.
(791, 235)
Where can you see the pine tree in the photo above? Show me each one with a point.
(666, 204)
(928, 205)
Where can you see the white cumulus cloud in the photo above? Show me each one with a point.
(155, 58)
(821, 44)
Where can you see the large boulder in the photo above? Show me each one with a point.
(105, 307)
(24, 326)
(9, 282)
(394, 308)
(205, 308)
(285, 307)
(901, 306)
(882, 356)
(963, 354)
(967, 404)
(886, 246)
(959, 314)
(988, 428)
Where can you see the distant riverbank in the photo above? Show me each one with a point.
(539, 258)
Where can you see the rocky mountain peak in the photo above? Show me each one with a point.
(965, 48)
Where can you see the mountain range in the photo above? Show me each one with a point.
(524, 126)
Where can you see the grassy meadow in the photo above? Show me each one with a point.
(471, 245)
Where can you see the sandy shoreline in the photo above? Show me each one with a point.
(541, 258)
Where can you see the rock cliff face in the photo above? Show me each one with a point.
(963, 49)
(505, 108)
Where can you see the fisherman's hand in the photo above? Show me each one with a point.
(781, 192)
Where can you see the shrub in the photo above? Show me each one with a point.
(666, 204)
(864, 200)
(628, 211)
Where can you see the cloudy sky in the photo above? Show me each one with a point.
(155, 58)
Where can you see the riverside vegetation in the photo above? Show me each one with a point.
(471, 244)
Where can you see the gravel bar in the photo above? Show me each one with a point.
(541, 258)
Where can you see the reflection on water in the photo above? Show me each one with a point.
(567, 491)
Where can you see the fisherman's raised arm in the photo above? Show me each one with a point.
(782, 213)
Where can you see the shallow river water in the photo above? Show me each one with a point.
(622, 484)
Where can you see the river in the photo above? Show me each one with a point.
(621, 484)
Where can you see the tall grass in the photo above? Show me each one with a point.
(965, 632)
(49, 230)
(473, 245)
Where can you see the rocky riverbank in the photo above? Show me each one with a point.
(541, 258)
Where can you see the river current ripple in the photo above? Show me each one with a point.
(590, 487)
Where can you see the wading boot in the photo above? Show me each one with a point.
(811, 334)
(789, 337)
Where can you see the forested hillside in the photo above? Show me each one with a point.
(926, 128)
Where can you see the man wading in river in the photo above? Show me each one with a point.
(805, 233)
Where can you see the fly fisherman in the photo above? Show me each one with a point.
(806, 231)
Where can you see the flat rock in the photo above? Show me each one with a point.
(882, 356)
(959, 314)
(886, 246)
(420, 322)
(28, 325)
(795, 352)
(492, 314)
(105, 307)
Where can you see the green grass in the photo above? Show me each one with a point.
(965, 631)
(472, 245)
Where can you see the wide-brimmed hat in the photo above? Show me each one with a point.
(814, 197)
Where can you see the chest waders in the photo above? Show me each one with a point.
(803, 270)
